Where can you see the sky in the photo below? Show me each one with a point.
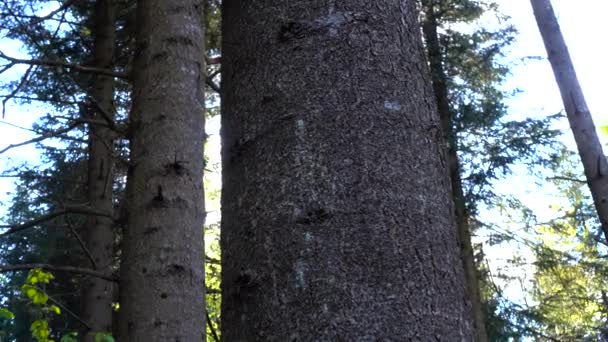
(585, 32)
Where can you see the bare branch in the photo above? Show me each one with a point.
(68, 269)
(14, 228)
(65, 65)
(31, 98)
(23, 81)
(42, 137)
(64, 308)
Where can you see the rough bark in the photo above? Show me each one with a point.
(587, 141)
(99, 230)
(162, 279)
(429, 28)
(337, 221)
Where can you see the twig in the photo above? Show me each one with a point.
(86, 251)
(68, 269)
(64, 308)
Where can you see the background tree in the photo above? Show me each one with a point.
(483, 144)
(161, 276)
(589, 147)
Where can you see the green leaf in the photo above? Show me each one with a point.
(6, 313)
(71, 337)
(604, 130)
(104, 337)
(55, 309)
(29, 290)
(40, 298)
(39, 276)
(40, 330)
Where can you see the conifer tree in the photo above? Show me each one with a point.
(337, 220)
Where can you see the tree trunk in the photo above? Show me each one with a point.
(99, 231)
(162, 278)
(462, 218)
(337, 221)
(581, 122)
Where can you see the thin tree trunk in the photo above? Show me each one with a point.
(589, 146)
(462, 218)
(337, 221)
(162, 278)
(99, 231)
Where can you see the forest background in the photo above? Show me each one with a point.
(535, 215)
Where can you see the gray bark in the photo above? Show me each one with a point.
(99, 231)
(462, 218)
(587, 141)
(162, 279)
(337, 220)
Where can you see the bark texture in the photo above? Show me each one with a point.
(587, 141)
(162, 278)
(429, 28)
(337, 220)
(99, 230)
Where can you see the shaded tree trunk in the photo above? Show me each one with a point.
(162, 278)
(337, 221)
(438, 78)
(99, 231)
(587, 141)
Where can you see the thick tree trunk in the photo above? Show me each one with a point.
(162, 278)
(337, 221)
(589, 146)
(99, 231)
(462, 218)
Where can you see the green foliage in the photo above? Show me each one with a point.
(104, 337)
(40, 331)
(6, 313)
(71, 337)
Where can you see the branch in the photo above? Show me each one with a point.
(213, 60)
(215, 337)
(576, 180)
(14, 228)
(44, 136)
(82, 244)
(68, 269)
(23, 81)
(77, 67)
(64, 308)
(64, 6)
(212, 85)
